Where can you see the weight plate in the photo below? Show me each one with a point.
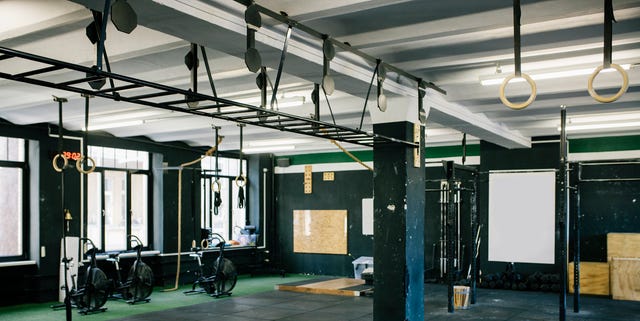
(382, 103)
(328, 85)
(328, 49)
(252, 59)
(252, 17)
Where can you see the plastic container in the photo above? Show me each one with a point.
(360, 264)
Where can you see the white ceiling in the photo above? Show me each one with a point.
(451, 43)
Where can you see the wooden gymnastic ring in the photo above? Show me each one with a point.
(523, 105)
(216, 186)
(623, 89)
(204, 244)
(241, 178)
(89, 160)
(55, 162)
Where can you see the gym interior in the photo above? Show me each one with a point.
(334, 160)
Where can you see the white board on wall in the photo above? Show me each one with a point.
(522, 216)
(367, 216)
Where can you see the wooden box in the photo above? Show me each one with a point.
(623, 245)
(625, 278)
(594, 278)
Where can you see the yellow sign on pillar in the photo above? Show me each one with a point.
(417, 138)
(308, 172)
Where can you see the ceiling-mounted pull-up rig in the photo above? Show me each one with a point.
(329, 44)
(517, 13)
(160, 96)
(607, 59)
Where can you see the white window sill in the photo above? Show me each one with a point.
(17, 263)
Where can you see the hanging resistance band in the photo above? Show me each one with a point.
(85, 141)
(608, 50)
(215, 186)
(517, 74)
(240, 180)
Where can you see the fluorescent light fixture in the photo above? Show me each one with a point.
(547, 75)
(601, 126)
(604, 118)
(116, 125)
(269, 149)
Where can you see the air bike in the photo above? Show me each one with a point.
(217, 279)
(139, 283)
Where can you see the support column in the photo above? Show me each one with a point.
(399, 203)
(561, 217)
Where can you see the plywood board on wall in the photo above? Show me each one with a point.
(594, 278)
(625, 279)
(623, 245)
(320, 231)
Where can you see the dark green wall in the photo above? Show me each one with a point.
(345, 193)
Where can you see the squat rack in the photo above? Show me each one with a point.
(452, 221)
(578, 179)
(176, 99)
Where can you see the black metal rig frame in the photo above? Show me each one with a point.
(176, 99)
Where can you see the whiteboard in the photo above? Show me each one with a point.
(367, 216)
(522, 217)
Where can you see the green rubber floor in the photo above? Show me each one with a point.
(159, 301)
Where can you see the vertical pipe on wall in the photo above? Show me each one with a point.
(562, 216)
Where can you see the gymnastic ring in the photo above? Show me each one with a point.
(89, 160)
(55, 162)
(623, 89)
(204, 244)
(215, 186)
(241, 178)
(523, 105)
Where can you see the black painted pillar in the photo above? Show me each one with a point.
(399, 203)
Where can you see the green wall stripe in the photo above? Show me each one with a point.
(604, 144)
(451, 151)
(367, 155)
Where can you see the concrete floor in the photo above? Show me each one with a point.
(491, 305)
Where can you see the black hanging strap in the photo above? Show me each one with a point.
(85, 136)
(283, 55)
(216, 194)
(464, 147)
(516, 35)
(608, 32)
(366, 99)
(240, 176)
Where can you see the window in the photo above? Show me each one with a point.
(13, 214)
(118, 197)
(229, 217)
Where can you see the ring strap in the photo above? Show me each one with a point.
(517, 13)
(608, 33)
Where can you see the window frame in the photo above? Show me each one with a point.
(209, 176)
(128, 211)
(24, 166)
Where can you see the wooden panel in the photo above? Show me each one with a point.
(340, 286)
(625, 279)
(594, 278)
(320, 231)
(623, 245)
